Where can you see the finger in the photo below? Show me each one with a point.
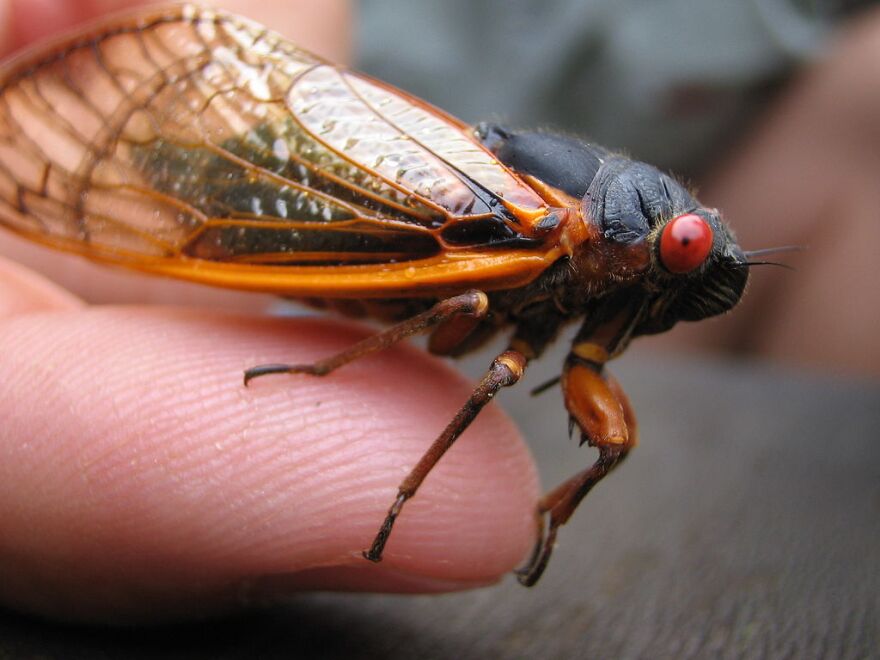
(319, 25)
(139, 478)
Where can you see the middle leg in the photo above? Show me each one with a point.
(506, 370)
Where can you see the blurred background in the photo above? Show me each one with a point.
(669, 82)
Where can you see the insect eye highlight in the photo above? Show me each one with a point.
(685, 242)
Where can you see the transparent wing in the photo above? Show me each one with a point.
(176, 138)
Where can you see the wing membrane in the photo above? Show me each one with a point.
(198, 144)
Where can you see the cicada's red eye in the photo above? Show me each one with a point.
(685, 243)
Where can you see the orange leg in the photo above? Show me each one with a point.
(506, 370)
(598, 405)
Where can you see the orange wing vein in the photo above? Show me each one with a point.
(196, 144)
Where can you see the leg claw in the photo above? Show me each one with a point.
(266, 369)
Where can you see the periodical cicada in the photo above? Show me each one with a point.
(195, 144)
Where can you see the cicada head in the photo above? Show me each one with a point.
(679, 254)
(698, 270)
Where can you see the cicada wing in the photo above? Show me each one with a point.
(189, 139)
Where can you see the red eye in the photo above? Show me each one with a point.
(685, 243)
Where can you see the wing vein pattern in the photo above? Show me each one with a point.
(193, 136)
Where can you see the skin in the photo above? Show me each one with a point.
(139, 479)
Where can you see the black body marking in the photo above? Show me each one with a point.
(563, 162)
(629, 198)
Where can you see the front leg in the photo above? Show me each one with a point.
(600, 408)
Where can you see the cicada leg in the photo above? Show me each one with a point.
(506, 370)
(598, 405)
(473, 303)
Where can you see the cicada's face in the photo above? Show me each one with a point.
(691, 265)
(698, 270)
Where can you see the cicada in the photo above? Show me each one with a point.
(195, 144)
